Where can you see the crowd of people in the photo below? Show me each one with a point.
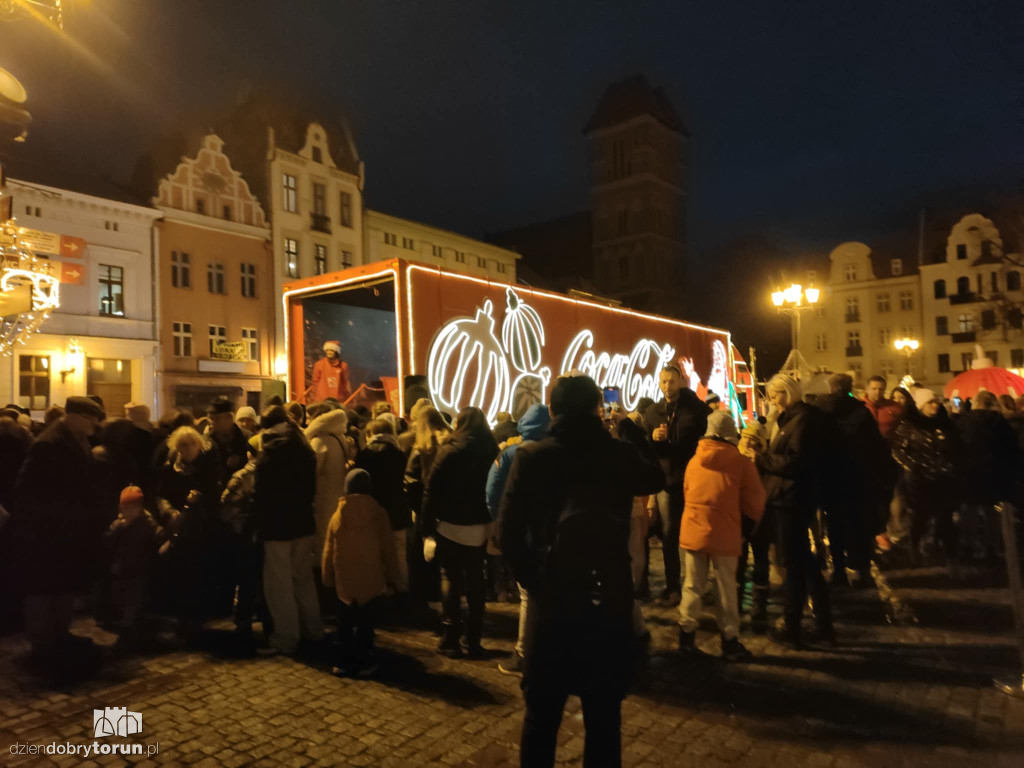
(306, 512)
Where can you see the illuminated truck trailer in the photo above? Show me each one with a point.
(414, 330)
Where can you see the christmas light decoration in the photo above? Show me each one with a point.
(21, 269)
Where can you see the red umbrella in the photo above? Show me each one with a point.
(998, 381)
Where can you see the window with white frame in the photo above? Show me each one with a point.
(291, 257)
(34, 382)
(481, 261)
(906, 300)
(252, 343)
(215, 277)
(111, 281)
(853, 339)
(887, 368)
(884, 337)
(346, 209)
(852, 310)
(320, 259)
(437, 251)
(218, 335)
(965, 322)
(460, 257)
(851, 273)
(346, 259)
(290, 200)
(821, 342)
(181, 269)
(858, 371)
(182, 335)
(883, 302)
(249, 281)
(896, 267)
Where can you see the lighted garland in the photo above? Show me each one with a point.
(19, 266)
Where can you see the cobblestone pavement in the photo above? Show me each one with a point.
(909, 685)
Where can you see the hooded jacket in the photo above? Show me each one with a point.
(687, 420)
(359, 558)
(284, 485)
(456, 489)
(533, 426)
(798, 463)
(333, 450)
(720, 487)
(385, 462)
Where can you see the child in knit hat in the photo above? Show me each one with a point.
(132, 544)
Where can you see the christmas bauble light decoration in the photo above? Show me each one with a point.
(466, 366)
(522, 333)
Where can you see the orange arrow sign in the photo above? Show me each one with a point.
(72, 247)
(72, 274)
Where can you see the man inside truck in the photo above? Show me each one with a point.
(330, 375)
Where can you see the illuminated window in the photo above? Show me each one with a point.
(182, 334)
(320, 258)
(291, 196)
(291, 257)
(218, 335)
(34, 382)
(966, 323)
(249, 281)
(181, 270)
(111, 291)
(252, 345)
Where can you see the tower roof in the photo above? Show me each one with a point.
(630, 98)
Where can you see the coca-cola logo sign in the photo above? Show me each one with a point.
(635, 374)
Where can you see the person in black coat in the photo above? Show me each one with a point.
(57, 528)
(798, 470)
(991, 464)
(864, 480)
(386, 462)
(564, 530)
(455, 514)
(283, 492)
(675, 425)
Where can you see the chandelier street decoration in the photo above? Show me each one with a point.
(29, 290)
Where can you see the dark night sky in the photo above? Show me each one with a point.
(811, 122)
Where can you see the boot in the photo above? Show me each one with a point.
(449, 645)
(759, 604)
(788, 634)
(688, 643)
(734, 650)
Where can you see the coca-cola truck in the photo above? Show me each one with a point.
(408, 330)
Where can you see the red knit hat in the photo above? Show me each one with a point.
(131, 495)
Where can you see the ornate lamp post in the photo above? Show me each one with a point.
(792, 301)
(907, 347)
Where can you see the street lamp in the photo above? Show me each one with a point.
(791, 301)
(907, 347)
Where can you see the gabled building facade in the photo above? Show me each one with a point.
(215, 283)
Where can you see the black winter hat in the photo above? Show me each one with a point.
(358, 481)
(220, 405)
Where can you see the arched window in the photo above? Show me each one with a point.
(963, 285)
(940, 289)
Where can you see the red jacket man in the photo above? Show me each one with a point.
(330, 375)
(886, 412)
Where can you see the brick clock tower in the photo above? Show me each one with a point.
(635, 141)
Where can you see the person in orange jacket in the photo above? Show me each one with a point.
(720, 486)
(330, 375)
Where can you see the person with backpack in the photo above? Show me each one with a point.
(533, 425)
(564, 529)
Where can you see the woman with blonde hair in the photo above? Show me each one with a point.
(431, 431)
(187, 493)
